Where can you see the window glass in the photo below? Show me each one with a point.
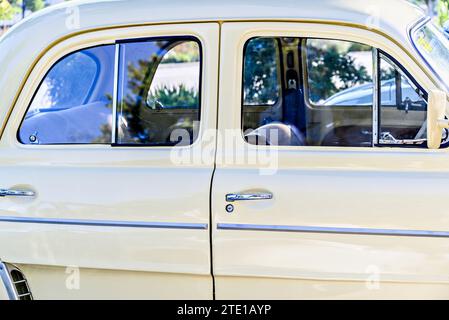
(403, 111)
(73, 104)
(339, 72)
(159, 96)
(433, 45)
(260, 80)
(339, 81)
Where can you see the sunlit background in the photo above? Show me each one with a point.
(12, 11)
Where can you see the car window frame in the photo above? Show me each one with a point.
(376, 52)
(114, 135)
(422, 93)
(112, 42)
(42, 80)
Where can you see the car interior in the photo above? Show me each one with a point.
(158, 96)
(74, 101)
(319, 92)
(296, 92)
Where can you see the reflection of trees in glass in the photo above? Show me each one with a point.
(260, 82)
(144, 124)
(331, 71)
(330, 68)
(133, 102)
(185, 52)
(387, 73)
(105, 136)
(179, 96)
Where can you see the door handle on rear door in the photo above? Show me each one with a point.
(248, 196)
(16, 193)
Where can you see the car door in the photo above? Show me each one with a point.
(101, 146)
(336, 207)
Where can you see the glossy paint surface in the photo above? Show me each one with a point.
(392, 189)
(351, 189)
(62, 21)
(112, 208)
(74, 284)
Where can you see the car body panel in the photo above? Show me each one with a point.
(66, 20)
(330, 230)
(70, 283)
(111, 207)
(120, 247)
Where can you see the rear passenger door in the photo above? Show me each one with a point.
(106, 140)
(324, 187)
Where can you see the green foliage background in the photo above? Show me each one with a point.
(328, 65)
(8, 8)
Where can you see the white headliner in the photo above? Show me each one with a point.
(23, 43)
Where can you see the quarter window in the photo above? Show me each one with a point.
(403, 109)
(74, 101)
(156, 101)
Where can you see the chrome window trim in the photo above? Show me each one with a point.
(382, 56)
(7, 282)
(335, 230)
(376, 97)
(106, 223)
(115, 95)
(120, 87)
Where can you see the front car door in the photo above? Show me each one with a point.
(99, 138)
(324, 187)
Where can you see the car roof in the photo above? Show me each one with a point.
(25, 42)
(383, 14)
(391, 16)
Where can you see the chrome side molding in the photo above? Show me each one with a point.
(107, 223)
(332, 230)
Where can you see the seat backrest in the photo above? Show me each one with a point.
(276, 134)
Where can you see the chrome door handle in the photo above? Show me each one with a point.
(248, 196)
(16, 193)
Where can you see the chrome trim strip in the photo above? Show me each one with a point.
(7, 282)
(107, 223)
(332, 230)
(115, 95)
(376, 97)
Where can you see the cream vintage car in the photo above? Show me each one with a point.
(224, 149)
